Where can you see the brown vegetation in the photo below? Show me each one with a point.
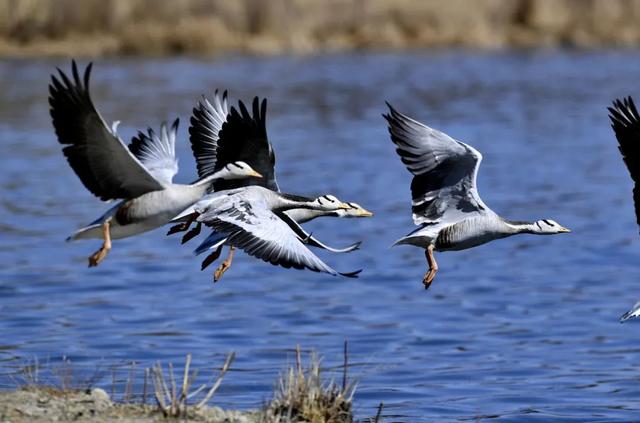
(301, 396)
(204, 27)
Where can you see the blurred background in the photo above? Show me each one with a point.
(522, 328)
(207, 27)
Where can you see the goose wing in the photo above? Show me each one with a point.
(95, 152)
(215, 239)
(252, 227)
(444, 183)
(206, 123)
(309, 239)
(625, 122)
(220, 136)
(158, 153)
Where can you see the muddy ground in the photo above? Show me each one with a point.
(52, 405)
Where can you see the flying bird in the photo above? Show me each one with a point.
(220, 135)
(445, 201)
(140, 174)
(625, 122)
(253, 219)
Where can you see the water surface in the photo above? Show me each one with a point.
(525, 327)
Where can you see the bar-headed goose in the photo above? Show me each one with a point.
(253, 219)
(140, 175)
(220, 135)
(445, 201)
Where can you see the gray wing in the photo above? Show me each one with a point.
(220, 136)
(260, 233)
(309, 239)
(215, 239)
(634, 312)
(158, 153)
(206, 123)
(98, 156)
(445, 170)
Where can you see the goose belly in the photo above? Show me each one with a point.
(467, 234)
(151, 211)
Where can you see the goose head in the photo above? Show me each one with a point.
(237, 170)
(354, 210)
(329, 203)
(548, 227)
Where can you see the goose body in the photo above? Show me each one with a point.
(140, 175)
(253, 219)
(144, 213)
(445, 202)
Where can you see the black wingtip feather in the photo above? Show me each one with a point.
(354, 274)
(87, 75)
(625, 122)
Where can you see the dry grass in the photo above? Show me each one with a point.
(301, 395)
(173, 402)
(158, 27)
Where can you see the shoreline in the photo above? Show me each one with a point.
(301, 393)
(43, 404)
(103, 28)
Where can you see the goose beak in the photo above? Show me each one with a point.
(364, 213)
(256, 174)
(564, 230)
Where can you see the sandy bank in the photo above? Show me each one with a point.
(47, 405)
(206, 27)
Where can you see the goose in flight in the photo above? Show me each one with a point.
(445, 201)
(625, 122)
(253, 219)
(139, 175)
(220, 135)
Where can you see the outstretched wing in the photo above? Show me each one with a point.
(215, 240)
(260, 233)
(206, 123)
(444, 183)
(625, 122)
(309, 239)
(219, 137)
(158, 153)
(101, 160)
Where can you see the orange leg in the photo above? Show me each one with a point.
(224, 266)
(100, 255)
(433, 268)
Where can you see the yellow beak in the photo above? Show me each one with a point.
(365, 213)
(565, 230)
(256, 174)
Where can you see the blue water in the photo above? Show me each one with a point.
(524, 328)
